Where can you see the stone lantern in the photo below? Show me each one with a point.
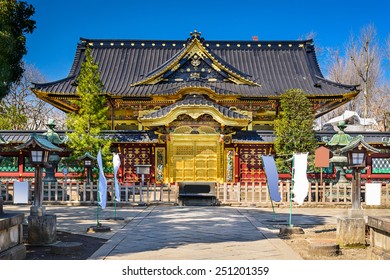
(356, 152)
(351, 229)
(41, 227)
(88, 161)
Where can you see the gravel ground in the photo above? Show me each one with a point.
(90, 245)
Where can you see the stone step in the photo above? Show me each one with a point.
(66, 248)
(324, 247)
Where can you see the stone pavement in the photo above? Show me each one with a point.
(191, 233)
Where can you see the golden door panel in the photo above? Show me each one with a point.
(197, 162)
(183, 167)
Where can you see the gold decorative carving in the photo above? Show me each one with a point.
(183, 130)
(174, 68)
(195, 61)
(215, 67)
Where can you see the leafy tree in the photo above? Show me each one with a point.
(294, 127)
(11, 118)
(15, 22)
(91, 117)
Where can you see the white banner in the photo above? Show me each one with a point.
(116, 163)
(102, 182)
(301, 184)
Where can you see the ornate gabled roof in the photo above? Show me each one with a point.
(145, 68)
(195, 61)
(194, 106)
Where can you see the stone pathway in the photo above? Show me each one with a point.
(196, 233)
(191, 233)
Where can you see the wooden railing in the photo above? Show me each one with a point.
(245, 194)
(75, 192)
(257, 194)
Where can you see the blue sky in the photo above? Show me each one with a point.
(60, 24)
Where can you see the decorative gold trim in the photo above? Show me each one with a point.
(56, 101)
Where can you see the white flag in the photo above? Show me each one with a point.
(301, 184)
(102, 182)
(116, 163)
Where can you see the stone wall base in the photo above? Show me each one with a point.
(11, 237)
(17, 252)
(378, 254)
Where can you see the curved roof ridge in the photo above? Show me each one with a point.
(214, 41)
(47, 84)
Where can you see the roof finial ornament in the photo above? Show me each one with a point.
(195, 34)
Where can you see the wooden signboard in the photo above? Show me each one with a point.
(322, 159)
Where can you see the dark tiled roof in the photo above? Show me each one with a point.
(275, 66)
(195, 100)
(321, 136)
(129, 136)
(2, 140)
(18, 136)
(41, 141)
(369, 136)
(253, 136)
(241, 136)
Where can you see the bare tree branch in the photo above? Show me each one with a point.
(37, 111)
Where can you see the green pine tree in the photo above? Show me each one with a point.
(294, 127)
(91, 117)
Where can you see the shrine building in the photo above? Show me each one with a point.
(197, 110)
